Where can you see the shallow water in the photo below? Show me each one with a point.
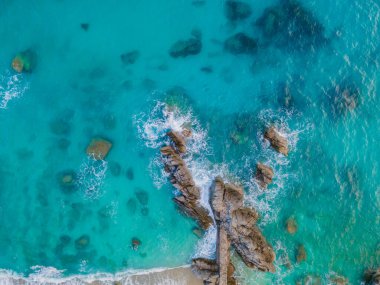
(81, 89)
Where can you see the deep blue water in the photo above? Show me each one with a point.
(80, 89)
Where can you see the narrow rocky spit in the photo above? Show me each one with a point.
(236, 224)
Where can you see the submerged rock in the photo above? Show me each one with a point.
(264, 175)
(339, 280)
(85, 26)
(197, 231)
(129, 174)
(145, 211)
(184, 48)
(130, 57)
(290, 24)
(345, 98)
(177, 97)
(99, 148)
(115, 168)
(131, 206)
(301, 253)
(142, 196)
(82, 242)
(237, 10)
(277, 141)
(24, 61)
(67, 181)
(291, 225)
(240, 43)
(135, 243)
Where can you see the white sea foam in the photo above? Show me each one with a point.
(11, 86)
(91, 177)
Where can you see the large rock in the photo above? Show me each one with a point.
(277, 141)
(24, 61)
(237, 10)
(240, 43)
(205, 269)
(184, 48)
(178, 140)
(99, 148)
(264, 175)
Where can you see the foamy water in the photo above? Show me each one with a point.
(11, 86)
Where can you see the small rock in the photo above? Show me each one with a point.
(237, 10)
(240, 43)
(99, 148)
(207, 69)
(130, 57)
(291, 225)
(109, 121)
(135, 243)
(145, 211)
(82, 242)
(277, 141)
(197, 231)
(339, 280)
(64, 239)
(67, 181)
(131, 206)
(142, 196)
(24, 61)
(115, 168)
(183, 48)
(63, 143)
(85, 26)
(130, 175)
(264, 175)
(301, 253)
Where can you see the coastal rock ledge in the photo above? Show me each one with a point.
(236, 224)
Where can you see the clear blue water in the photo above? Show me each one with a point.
(81, 89)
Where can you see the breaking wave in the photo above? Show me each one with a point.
(11, 86)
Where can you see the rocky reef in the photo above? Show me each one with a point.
(235, 223)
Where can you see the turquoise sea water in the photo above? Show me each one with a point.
(81, 89)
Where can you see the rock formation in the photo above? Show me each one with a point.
(24, 61)
(237, 10)
(180, 177)
(235, 223)
(99, 148)
(240, 43)
(277, 141)
(264, 175)
(184, 48)
(372, 277)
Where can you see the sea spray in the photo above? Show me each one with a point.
(11, 86)
(91, 177)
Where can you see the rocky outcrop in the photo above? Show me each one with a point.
(181, 179)
(264, 175)
(99, 148)
(24, 61)
(277, 141)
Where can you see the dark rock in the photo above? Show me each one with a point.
(264, 175)
(240, 43)
(207, 69)
(24, 61)
(24, 153)
(64, 239)
(142, 196)
(135, 243)
(99, 148)
(184, 48)
(301, 253)
(290, 24)
(237, 10)
(82, 242)
(130, 57)
(115, 168)
(345, 98)
(85, 26)
(131, 206)
(277, 141)
(372, 277)
(130, 175)
(60, 126)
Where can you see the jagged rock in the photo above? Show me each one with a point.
(99, 148)
(237, 10)
(301, 253)
(130, 57)
(24, 61)
(372, 277)
(264, 175)
(183, 48)
(178, 141)
(240, 43)
(277, 141)
(291, 225)
(205, 269)
(243, 220)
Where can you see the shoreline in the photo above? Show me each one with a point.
(181, 275)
